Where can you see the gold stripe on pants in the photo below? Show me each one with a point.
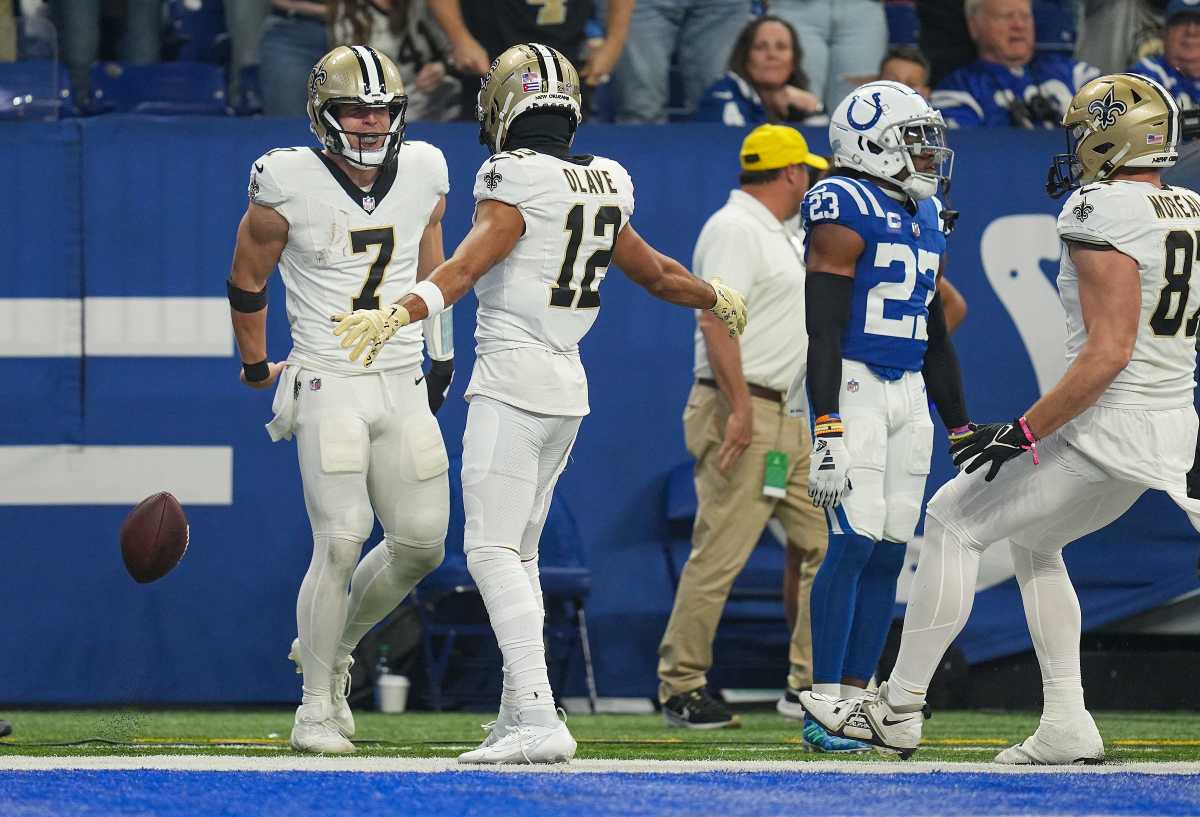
(730, 519)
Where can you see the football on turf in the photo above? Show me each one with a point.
(154, 537)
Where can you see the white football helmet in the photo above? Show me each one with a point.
(881, 127)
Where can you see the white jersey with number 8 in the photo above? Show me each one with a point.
(1159, 228)
(538, 303)
(349, 248)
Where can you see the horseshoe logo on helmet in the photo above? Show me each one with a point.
(870, 123)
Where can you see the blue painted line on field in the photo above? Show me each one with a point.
(64, 793)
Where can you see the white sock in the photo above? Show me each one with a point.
(851, 692)
(832, 690)
(321, 610)
(517, 622)
(939, 605)
(1055, 624)
(381, 581)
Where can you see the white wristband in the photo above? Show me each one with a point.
(428, 292)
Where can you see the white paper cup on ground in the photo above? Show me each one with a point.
(391, 693)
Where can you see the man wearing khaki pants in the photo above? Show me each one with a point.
(751, 454)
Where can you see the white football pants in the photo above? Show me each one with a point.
(889, 440)
(368, 446)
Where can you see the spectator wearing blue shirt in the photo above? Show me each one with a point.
(1008, 84)
(765, 82)
(1178, 68)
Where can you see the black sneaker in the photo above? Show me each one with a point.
(789, 705)
(698, 710)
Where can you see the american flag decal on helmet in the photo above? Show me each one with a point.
(530, 81)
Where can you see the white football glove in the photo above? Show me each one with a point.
(828, 472)
(730, 307)
(371, 328)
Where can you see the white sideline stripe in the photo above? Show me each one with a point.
(114, 475)
(41, 327)
(157, 327)
(238, 763)
(115, 327)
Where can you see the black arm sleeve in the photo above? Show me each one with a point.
(943, 378)
(826, 311)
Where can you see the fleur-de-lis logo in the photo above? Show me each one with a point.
(1105, 111)
(1082, 210)
(318, 78)
(492, 179)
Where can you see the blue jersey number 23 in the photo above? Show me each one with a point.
(922, 262)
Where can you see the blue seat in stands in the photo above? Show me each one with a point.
(904, 28)
(198, 28)
(169, 88)
(566, 585)
(1054, 24)
(35, 89)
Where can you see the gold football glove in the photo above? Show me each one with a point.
(369, 329)
(730, 307)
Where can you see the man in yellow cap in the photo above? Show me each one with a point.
(751, 453)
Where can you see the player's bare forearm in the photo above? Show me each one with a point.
(497, 229)
(1111, 302)
(725, 358)
(432, 250)
(661, 276)
(261, 237)
(616, 28)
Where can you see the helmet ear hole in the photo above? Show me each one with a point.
(1104, 148)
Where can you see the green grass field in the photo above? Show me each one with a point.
(950, 736)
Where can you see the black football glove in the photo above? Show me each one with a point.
(994, 444)
(437, 381)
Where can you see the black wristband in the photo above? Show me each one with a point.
(256, 372)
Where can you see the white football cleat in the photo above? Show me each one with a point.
(315, 731)
(504, 723)
(1078, 742)
(871, 720)
(339, 689)
(526, 744)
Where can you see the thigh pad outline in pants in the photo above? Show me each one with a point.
(866, 445)
(408, 479)
(909, 452)
(555, 454)
(501, 448)
(333, 452)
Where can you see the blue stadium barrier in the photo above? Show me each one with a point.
(122, 207)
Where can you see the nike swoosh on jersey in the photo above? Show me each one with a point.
(417, 382)
(258, 167)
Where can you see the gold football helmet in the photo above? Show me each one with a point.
(525, 77)
(356, 75)
(1115, 121)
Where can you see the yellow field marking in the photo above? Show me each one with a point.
(1155, 742)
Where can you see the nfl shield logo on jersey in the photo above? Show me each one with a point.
(916, 230)
(315, 384)
(368, 203)
(852, 386)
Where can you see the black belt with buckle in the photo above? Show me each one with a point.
(755, 389)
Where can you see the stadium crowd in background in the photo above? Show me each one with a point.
(765, 81)
(991, 62)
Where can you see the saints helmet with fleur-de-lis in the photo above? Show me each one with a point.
(1115, 121)
(526, 77)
